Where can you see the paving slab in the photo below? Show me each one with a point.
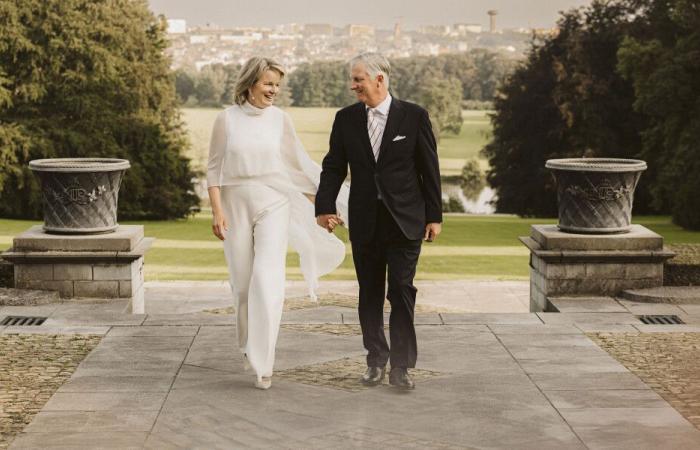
(639, 428)
(49, 329)
(690, 309)
(587, 381)
(606, 328)
(94, 318)
(190, 319)
(76, 440)
(39, 310)
(491, 318)
(609, 398)
(92, 421)
(164, 330)
(542, 328)
(588, 318)
(118, 383)
(640, 308)
(105, 401)
(584, 304)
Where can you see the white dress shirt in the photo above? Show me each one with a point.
(376, 122)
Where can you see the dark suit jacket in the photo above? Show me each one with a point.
(407, 172)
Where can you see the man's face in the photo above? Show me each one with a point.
(369, 91)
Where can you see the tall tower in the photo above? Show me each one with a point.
(492, 16)
(397, 29)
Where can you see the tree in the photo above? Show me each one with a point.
(479, 72)
(472, 179)
(436, 94)
(566, 100)
(88, 78)
(662, 64)
(184, 85)
(211, 85)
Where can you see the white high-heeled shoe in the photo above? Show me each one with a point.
(246, 363)
(263, 383)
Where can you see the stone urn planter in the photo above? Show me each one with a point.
(595, 195)
(80, 194)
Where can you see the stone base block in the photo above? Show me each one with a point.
(566, 264)
(81, 270)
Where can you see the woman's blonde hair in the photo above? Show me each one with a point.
(250, 73)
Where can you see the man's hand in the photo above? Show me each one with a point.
(432, 231)
(329, 221)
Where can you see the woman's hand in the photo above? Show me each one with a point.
(219, 225)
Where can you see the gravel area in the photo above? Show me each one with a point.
(668, 362)
(32, 368)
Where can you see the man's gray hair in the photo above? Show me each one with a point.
(375, 63)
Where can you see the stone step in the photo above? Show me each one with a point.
(665, 294)
(583, 304)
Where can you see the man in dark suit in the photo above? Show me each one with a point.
(395, 203)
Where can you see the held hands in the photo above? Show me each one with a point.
(219, 225)
(329, 221)
(432, 231)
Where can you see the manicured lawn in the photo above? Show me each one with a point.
(469, 247)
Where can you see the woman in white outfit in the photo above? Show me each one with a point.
(261, 185)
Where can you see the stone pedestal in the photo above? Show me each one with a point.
(99, 265)
(567, 264)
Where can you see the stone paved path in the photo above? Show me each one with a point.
(486, 380)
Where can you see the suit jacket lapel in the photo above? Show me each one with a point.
(396, 114)
(361, 122)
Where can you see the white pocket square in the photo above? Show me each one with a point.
(398, 138)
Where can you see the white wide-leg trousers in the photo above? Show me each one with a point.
(256, 250)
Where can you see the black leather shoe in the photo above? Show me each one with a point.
(373, 376)
(399, 378)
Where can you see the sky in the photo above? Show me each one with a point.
(380, 13)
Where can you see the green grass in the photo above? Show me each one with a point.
(313, 126)
(469, 247)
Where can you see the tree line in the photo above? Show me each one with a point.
(621, 79)
(443, 84)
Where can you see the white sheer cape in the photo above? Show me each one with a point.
(320, 252)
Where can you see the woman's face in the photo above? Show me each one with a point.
(263, 92)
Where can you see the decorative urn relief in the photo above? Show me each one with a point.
(595, 195)
(80, 194)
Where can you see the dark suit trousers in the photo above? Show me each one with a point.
(391, 254)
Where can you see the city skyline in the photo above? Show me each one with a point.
(413, 14)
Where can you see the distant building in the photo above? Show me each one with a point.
(360, 31)
(440, 30)
(464, 28)
(290, 28)
(199, 38)
(177, 26)
(240, 39)
(282, 37)
(318, 29)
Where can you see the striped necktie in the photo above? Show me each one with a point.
(375, 128)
